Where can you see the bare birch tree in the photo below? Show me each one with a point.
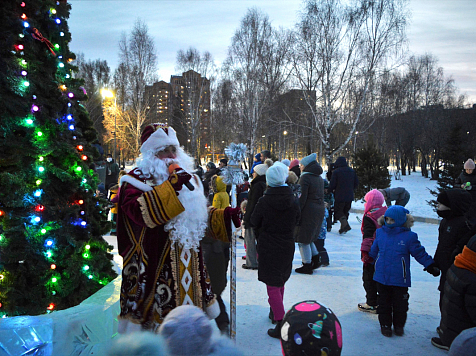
(96, 75)
(244, 68)
(137, 68)
(341, 49)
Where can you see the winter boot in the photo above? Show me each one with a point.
(305, 269)
(276, 332)
(344, 225)
(316, 261)
(398, 330)
(386, 330)
(271, 316)
(436, 341)
(367, 308)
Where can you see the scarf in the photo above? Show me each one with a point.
(466, 260)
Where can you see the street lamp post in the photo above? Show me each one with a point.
(109, 94)
(355, 138)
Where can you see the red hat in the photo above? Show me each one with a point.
(156, 136)
(294, 163)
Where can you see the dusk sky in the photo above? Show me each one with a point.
(446, 29)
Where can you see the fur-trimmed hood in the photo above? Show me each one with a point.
(408, 223)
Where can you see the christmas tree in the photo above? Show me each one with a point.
(371, 168)
(456, 150)
(52, 254)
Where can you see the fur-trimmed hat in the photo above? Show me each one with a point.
(156, 136)
(398, 214)
(469, 164)
(187, 331)
(310, 328)
(308, 159)
(261, 169)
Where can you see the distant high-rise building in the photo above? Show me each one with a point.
(180, 102)
(159, 96)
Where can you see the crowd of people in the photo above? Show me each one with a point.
(174, 224)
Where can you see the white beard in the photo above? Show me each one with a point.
(188, 227)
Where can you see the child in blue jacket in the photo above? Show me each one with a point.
(391, 250)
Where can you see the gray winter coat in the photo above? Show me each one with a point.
(400, 195)
(311, 203)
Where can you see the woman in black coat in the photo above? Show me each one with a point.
(312, 207)
(274, 219)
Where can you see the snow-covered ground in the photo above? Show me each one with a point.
(339, 287)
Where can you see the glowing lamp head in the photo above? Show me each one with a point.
(85, 255)
(86, 267)
(81, 201)
(53, 11)
(83, 223)
(40, 134)
(49, 254)
(58, 21)
(53, 266)
(84, 157)
(54, 279)
(43, 231)
(62, 34)
(90, 276)
(80, 147)
(41, 169)
(87, 247)
(79, 169)
(49, 242)
(24, 72)
(20, 47)
(61, 65)
(69, 117)
(26, 24)
(71, 127)
(71, 95)
(26, 83)
(41, 158)
(22, 4)
(35, 108)
(38, 193)
(38, 182)
(29, 121)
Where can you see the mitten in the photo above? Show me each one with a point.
(366, 259)
(179, 179)
(433, 270)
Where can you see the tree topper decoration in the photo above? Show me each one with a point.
(232, 174)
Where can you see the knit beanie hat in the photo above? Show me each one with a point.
(187, 331)
(444, 199)
(294, 163)
(310, 328)
(472, 243)
(308, 159)
(260, 169)
(157, 136)
(464, 344)
(276, 175)
(397, 213)
(469, 164)
(373, 199)
(286, 162)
